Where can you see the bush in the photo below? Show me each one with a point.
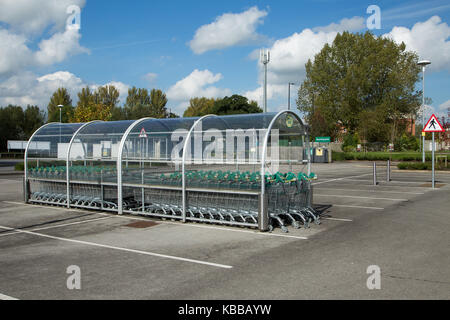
(19, 166)
(338, 156)
(407, 143)
(350, 142)
(415, 166)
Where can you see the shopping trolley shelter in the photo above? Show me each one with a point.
(111, 198)
(214, 169)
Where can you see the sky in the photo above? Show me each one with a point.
(200, 48)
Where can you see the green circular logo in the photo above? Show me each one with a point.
(289, 121)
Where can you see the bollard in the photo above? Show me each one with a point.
(374, 173)
(388, 170)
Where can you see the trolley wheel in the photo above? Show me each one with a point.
(270, 228)
(318, 222)
(284, 229)
(296, 225)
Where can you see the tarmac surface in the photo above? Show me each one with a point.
(402, 226)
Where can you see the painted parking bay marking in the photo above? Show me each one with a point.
(359, 197)
(148, 253)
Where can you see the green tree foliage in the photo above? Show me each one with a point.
(360, 75)
(33, 119)
(17, 124)
(60, 97)
(138, 103)
(406, 143)
(96, 105)
(319, 126)
(235, 104)
(85, 97)
(141, 104)
(199, 107)
(158, 101)
(107, 95)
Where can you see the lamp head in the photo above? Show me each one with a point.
(423, 63)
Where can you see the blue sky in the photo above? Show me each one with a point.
(193, 48)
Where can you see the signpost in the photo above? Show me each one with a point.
(433, 126)
(323, 139)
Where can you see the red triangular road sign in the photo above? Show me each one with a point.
(143, 134)
(433, 125)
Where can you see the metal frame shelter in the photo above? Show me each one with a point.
(174, 168)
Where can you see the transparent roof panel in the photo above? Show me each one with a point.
(99, 141)
(51, 141)
(229, 137)
(156, 139)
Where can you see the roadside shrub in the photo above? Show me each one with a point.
(338, 156)
(415, 166)
(407, 143)
(19, 166)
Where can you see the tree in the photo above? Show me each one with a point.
(107, 95)
(11, 119)
(60, 97)
(141, 104)
(118, 113)
(319, 126)
(85, 97)
(235, 104)
(138, 103)
(17, 124)
(358, 75)
(97, 105)
(33, 119)
(158, 101)
(93, 111)
(199, 107)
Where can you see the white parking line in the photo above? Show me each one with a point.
(148, 253)
(188, 225)
(374, 191)
(337, 219)
(57, 226)
(8, 181)
(357, 207)
(392, 181)
(338, 179)
(358, 197)
(5, 297)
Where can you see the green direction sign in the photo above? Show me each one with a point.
(323, 139)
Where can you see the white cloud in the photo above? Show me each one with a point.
(197, 84)
(150, 77)
(27, 88)
(346, 24)
(273, 91)
(14, 53)
(430, 39)
(35, 16)
(60, 46)
(445, 106)
(444, 109)
(289, 55)
(229, 29)
(25, 21)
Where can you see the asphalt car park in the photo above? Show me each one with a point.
(402, 226)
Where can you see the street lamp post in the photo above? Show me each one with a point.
(289, 94)
(423, 63)
(60, 106)
(265, 59)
